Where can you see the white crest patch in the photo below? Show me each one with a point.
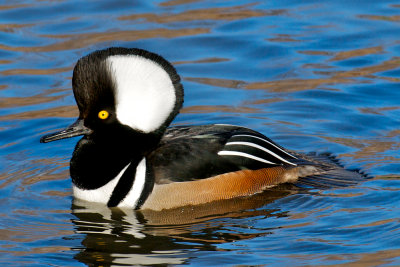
(145, 95)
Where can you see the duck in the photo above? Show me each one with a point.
(130, 157)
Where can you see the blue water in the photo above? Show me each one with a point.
(315, 76)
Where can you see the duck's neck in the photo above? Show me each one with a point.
(113, 166)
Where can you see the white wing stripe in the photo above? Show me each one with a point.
(241, 154)
(261, 148)
(247, 135)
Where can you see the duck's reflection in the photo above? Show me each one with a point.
(123, 236)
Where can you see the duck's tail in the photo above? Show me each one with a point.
(325, 171)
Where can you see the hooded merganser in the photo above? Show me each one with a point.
(129, 158)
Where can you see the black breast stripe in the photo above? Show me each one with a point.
(148, 186)
(123, 186)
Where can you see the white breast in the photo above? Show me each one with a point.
(103, 194)
(133, 196)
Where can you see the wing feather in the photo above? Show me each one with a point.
(249, 147)
(198, 152)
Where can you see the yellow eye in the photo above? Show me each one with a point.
(103, 115)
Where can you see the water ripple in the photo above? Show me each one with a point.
(320, 77)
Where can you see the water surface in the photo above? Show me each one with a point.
(315, 76)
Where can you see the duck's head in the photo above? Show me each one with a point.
(123, 90)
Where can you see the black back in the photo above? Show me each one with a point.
(190, 153)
